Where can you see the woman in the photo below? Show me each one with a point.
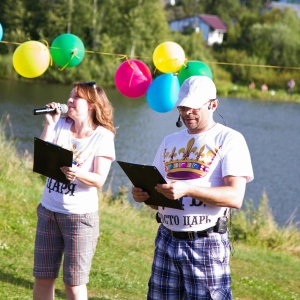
(68, 220)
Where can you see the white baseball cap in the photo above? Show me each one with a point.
(196, 91)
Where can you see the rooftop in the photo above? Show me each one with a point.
(214, 22)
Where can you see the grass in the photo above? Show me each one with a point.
(265, 261)
(263, 274)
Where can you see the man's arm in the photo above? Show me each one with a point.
(229, 195)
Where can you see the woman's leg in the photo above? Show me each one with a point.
(80, 234)
(47, 254)
(43, 289)
(76, 292)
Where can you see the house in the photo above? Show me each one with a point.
(211, 26)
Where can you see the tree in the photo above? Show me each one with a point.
(135, 23)
(226, 10)
(13, 15)
(276, 38)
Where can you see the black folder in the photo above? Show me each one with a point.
(147, 177)
(48, 158)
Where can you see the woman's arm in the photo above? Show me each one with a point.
(96, 178)
(50, 122)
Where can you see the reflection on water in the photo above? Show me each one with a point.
(271, 130)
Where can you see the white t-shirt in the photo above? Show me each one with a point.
(202, 159)
(77, 197)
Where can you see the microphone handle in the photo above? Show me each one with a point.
(43, 110)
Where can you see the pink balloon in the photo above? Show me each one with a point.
(133, 78)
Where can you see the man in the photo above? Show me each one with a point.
(206, 166)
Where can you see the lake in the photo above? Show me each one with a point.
(271, 130)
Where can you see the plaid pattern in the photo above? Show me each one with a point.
(74, 236)
(190, 269)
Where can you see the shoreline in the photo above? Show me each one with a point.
(242, 92)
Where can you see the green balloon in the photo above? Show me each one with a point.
(194, 68)
(67, 50)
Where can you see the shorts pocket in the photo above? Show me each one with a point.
(90, 220)
(220, 248)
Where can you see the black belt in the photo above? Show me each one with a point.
(191, 235)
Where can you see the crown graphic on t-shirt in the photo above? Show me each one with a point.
(189, 162)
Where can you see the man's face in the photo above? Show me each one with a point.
(196, 120)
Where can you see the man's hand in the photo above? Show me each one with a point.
(139, 195)
(231, 194)
(173, 189)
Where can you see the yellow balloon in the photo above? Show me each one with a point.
(168, 57)
(31, 59)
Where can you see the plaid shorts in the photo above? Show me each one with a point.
(75, 236)
(190, 269)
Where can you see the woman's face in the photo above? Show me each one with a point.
(78, 107)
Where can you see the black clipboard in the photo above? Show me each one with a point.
(48, 158)
(147, 177)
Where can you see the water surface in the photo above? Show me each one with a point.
(271, 130)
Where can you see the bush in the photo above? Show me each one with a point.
(257, 227)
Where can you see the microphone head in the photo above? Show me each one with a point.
(64, 108)
(178, 123)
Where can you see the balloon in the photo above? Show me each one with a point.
(1, 32)
(133, 78)
(163, 92)
(168, 57)
(31, 59)
(67, 50)
(194, 68)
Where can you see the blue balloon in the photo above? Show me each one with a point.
(162, 93)
(1, 32)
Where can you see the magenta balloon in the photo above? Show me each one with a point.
(133, 78)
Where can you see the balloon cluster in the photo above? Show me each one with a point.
(133, 78)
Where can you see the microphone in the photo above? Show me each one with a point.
(50, 110)
(178, 123)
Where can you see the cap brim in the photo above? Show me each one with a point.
(191, 102)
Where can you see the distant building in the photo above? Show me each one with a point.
(171, 2)
(211, 26)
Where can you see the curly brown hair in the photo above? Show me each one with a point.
(95, 95)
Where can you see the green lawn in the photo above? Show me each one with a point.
(122, 263)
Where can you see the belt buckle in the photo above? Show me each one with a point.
(191, 235)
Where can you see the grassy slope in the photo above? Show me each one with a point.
(122, 264)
